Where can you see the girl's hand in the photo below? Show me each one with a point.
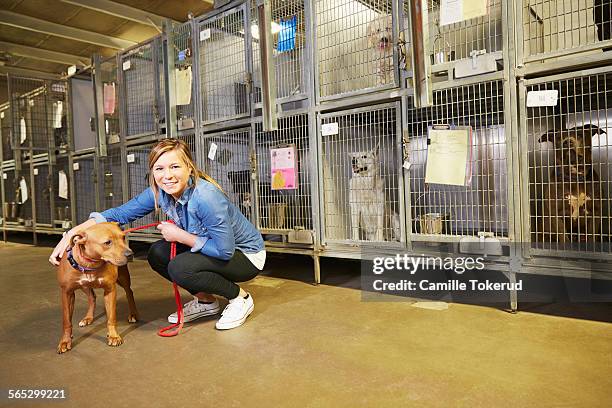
(172, 233)
(60, 248)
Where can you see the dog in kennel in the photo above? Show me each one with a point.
(380, 43)
(371, 217)
(571, 206)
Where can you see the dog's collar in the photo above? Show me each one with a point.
(76, 265)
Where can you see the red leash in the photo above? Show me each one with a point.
(167, 331)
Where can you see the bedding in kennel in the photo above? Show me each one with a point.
(355, 46)
(83, 168)
(444, 206)
(137, 176)
(283, 156)
(566, 122)
(30, 113)
(140, 70)
(227, 159)
(362, 175)
(555, 28)
(61, 178)
(223, 70)
(289, 34)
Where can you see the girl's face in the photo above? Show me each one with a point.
(171, 174)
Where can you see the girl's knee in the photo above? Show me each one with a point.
(158, 253)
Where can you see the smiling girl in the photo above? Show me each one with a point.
(216, 245)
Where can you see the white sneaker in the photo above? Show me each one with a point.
(194, 310)
(236, 312)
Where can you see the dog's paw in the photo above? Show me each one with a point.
(86, 321)
(64, 346)
(132, 318)
(114, 341)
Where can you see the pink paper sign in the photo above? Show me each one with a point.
(283, 168)
(109, 98)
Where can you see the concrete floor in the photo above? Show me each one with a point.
(304, 346)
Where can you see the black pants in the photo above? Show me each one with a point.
(196, 272)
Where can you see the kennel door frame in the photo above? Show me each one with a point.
(535, 255)
(562, 58)
(316, 59)
(248, 68)
(401, 244)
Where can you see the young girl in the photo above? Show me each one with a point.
(216, 245)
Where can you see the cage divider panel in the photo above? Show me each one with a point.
(223, 72)
(137, 173)
(289, 44)
(568, 166)
(481, 206)
(84, 184)
(139, 90)
(231, 166)
(284, 209)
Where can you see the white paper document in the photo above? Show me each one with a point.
(23, 187)
(448, 157)
(63, 185)
(212, 151)
(183, 86)
(58, 108)
(454, 11)
(22, 131)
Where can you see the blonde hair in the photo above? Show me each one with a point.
(184, 154)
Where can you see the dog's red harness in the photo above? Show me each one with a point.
(167, 331)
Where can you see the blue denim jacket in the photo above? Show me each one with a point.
(202, 210)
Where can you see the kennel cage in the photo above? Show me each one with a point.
(184, 70)
(228, 159)
(107, 80)
(361, 167)
(571, 32)
(140, 70)
(61, 192)
(83, 113)
(85, 183)
(474, 202)
(5, 130)
(566, 121)
(355, 46)
(224, 74)
(137, 181)
(30, 114)
(59, 120)
(13, 209)
(283, 177)
(290, 33)
(109, 173)
(460, 44)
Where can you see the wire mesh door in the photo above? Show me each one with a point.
(110, 89)
(567, 156)
(139, 68)
(23, 194)
(61, 189)
(481, 205)
(362, 188)
(42, 194)
(138, 181)
(183, 72)
(11, 200)
(110, 186)
(289, 45)
(228, 161)
(551, 28)
(284, 198)
(57, 102)
(29, 113)
(5, 128)
(224, 87)
(83, 168)
(355, 46)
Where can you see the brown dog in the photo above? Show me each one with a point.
(97, 259)
(571, 211)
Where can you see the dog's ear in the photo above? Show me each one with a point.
(79, 238)
(550, 136)
(586, 132)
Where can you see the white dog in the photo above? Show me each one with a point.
(380, 41)
(367, 200)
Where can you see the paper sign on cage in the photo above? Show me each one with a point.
(183, 86)
(454, 11)
(449, 156)
(109, 98)
(283, 168)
